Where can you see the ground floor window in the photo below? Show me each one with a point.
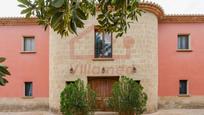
(183, 87)
(69, 82)
(137, 81)
(28, 89)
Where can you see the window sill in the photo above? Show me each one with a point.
(184, 50)
(27, 97)
(28, 52)
(183, 95)
(103, 59)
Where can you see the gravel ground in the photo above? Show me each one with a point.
(25, 113)
(160, 112)
(179, 112)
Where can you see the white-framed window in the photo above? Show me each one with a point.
(183, 42)
(29, 44)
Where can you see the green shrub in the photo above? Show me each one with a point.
(76, 99)
(128, 97)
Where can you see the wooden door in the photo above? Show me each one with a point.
(103, 89)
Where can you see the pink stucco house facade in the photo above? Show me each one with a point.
(25, 66)
(175, 64)
(169, 66)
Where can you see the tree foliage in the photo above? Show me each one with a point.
(3, 72)
(76, 99)
(128, 97)
(65, 16)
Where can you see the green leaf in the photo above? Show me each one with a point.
(58, 3)
(119, 35)
(81, 14)
(73, 26)
(2, 74)
(22, 6)
(113, 1)
(56, 19)
(79, 23)
(4, 70)
(2, 59)
(100, 16)
(26, 2)
(28, 15)
(3, 81)
(25, 11)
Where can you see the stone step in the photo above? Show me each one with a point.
(105, 113)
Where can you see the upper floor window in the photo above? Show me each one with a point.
(28, 44)
(183, 42)
(103, 44)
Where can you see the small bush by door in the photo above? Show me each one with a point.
(128, 97)
(76, 99)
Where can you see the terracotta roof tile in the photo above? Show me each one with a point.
(145, 5)
(16, 21)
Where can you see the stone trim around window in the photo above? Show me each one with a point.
(189, 43)
(23, 51)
